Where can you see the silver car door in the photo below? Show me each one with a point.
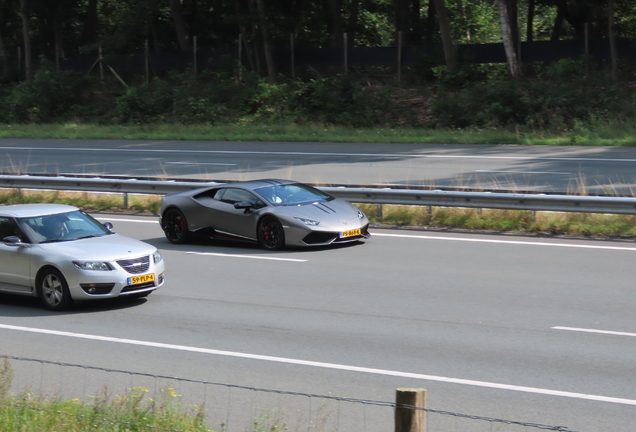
(233, 221)
(15, 259)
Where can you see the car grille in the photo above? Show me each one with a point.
(319, 237)
(135, 265)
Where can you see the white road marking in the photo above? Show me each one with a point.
(201, 163)
(515, 242)
(333, 366)
(607, 332)
(425, 237)
(127, 220)
(524, 172)
(247, 256)
(297, 153)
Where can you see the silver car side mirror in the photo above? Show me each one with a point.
(12, 241)
(243, 205)
(109, 226)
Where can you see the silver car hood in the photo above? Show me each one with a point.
(105, 248)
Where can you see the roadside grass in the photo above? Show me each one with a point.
(132, 411)
(393, 216)
(602, 134)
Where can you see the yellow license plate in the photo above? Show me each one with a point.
(141, 279)
(351, 233)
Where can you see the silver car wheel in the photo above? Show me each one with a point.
(53, 291)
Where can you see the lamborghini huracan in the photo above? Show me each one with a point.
(272, 213)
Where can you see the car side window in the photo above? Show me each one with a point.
(8, 228)
(234, 195)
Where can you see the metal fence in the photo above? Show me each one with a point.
(431, 198)
(229, 407)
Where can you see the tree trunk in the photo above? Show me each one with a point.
(401, 8)
(267, 46)
(24, 13)
(612, 39)
(530, 23)
(244, 38)
(450, 53)
(558, 21)
(5, 56)
(431, 22)
(336, 29)
(352, 26)
(57, 31)
(416, 21)
(89, 32)
(508, 39)
(180, 25)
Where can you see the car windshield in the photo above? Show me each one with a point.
(292, 194)
(69, 226)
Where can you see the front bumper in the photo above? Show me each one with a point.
(94, 284)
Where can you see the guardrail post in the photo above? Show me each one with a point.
(126, 200)
(18, 193)
(410, 410)
(380, 217)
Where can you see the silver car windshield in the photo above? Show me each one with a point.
(292, 194)
(69, 226)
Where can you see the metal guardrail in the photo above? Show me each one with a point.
(433, 198)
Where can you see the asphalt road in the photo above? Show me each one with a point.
(572, 169)
(536, 330)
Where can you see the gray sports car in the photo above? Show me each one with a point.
(274, 213)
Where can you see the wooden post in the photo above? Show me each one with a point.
(346, 52)
(612, 39)
(291, 48)
(57, 55)
(194, 61)
(399, 58)
(147, 61)
(410, 414)
(587, 50)
(240, 57)
(101, 65)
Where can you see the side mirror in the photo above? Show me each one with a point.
(243, 205)
(109, 226)
(12, 241)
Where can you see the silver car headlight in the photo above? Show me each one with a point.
(92, 265)
(157, 257)
(360, 214)
(309, 222)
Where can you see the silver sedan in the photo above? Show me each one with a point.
(62, 255)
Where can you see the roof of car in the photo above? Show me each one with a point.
(255, 184)
(31, 210)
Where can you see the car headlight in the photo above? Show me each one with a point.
(360, 214)
(92, 265)
(157, 257)
(309, 222)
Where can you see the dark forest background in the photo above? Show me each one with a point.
(537, 64)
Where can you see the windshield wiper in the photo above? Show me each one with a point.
(89, 236)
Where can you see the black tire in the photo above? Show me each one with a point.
(175, 226)
(270, 233)
(52, 290)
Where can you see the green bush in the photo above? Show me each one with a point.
(49, 96)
